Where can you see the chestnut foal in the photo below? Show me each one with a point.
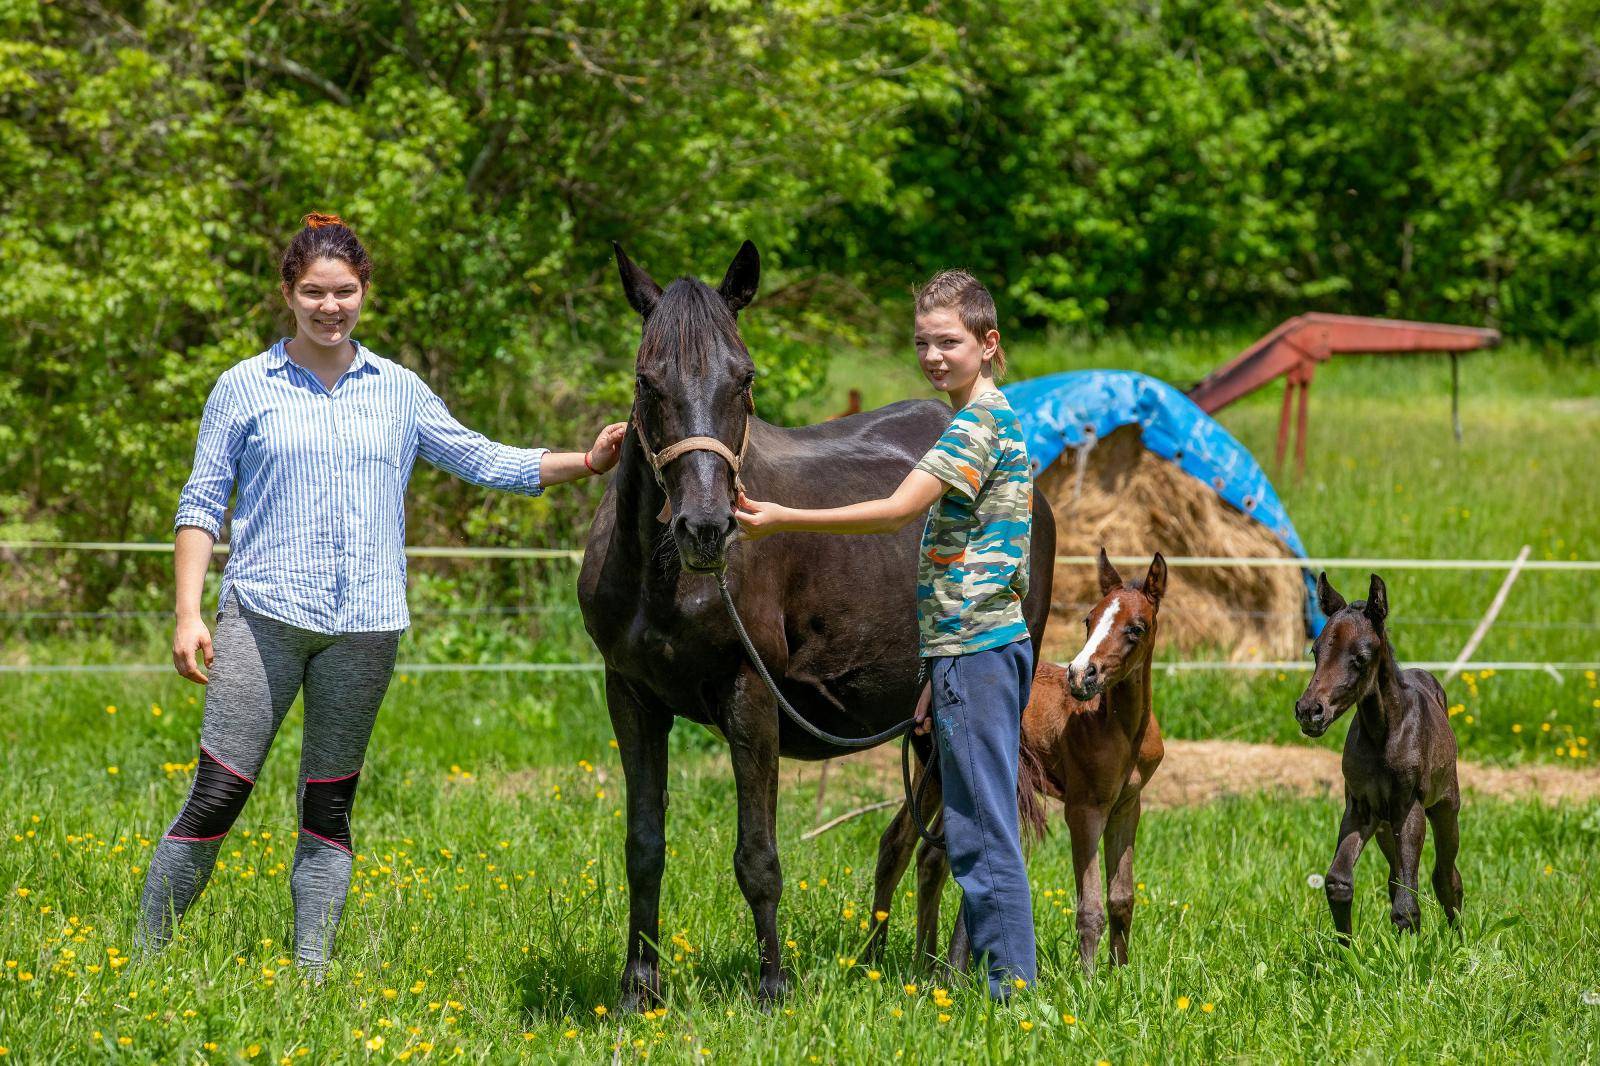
(1399, 757)
(1089, 738)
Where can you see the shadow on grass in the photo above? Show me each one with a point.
(568, 985)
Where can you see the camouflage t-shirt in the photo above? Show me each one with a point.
(973, 570)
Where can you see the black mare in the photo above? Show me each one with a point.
(834, 617)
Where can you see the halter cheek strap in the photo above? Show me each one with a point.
(659, 460)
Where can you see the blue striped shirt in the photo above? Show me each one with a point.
(318, 536)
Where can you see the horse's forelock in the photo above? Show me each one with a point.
(689, 328)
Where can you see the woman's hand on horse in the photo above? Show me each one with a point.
(607, 447)
(190, 643)
(921, 716)
(758, 519)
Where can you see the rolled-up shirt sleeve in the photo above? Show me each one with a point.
(471, 456)
(204, 499)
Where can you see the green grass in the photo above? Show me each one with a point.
(488, 770)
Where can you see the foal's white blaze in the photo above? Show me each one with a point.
(1102, 630)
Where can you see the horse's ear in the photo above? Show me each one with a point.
(1377, 608)
(1109, 578)
(739, 284)
(1328, 596)
(642, 291)
(1155, 580)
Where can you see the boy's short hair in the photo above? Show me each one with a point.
(969, 298)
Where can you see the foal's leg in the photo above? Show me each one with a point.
(1340, 885)
(1121, 829)
(642, 740)
(1404, 911)
(933, 867)
(895, 848)
(751, 726)
(1087, 825)
(960, 942)
(1446, 842)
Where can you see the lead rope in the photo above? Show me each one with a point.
(902, 730)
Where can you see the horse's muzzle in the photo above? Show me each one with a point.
(702, 541)
(1084, 684)
(1313, 716)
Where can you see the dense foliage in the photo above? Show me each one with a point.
(1107, 166)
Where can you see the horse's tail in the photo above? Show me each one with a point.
(1031, 813)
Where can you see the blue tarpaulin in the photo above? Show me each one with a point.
(1061, 411)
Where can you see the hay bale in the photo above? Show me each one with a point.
(1133, 502)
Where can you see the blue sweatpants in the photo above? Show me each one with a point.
(977, 706)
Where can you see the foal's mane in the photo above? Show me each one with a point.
(691, 326)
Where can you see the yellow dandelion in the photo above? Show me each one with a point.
(1183, 1002)
(601, 1010)
(943, 1018)
(873, 975)
(882, 916)
(375, 1043)
(111, 708)
(911, 990)
(389, 993)
(570, 1034)
(1027, 1026)
(1516, 727)
(111, 770)
(1068, 1019)
(1208, 1007)
(125, 1041)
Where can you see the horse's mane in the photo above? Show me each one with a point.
(689, 326)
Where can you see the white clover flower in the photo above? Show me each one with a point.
(1590, 997)
(1315, 881)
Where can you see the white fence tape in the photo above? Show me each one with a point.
(1223, 665)
(1316, 562)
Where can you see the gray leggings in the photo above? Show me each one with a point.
(260, 664)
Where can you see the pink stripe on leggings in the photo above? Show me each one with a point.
(228, 768)
(196, 840)
(325, 840)
(330, 780)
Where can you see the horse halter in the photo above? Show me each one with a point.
(659, 460)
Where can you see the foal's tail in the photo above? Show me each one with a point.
(1031, 812)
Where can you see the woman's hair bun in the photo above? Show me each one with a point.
(316, 220)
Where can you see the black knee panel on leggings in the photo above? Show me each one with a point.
(214, 804)
(325, 809)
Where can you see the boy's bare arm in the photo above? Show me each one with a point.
(911, 500)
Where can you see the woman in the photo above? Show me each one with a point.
(318, 434)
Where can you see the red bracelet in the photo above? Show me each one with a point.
(591, 469)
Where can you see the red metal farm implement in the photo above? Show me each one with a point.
(1293, 350)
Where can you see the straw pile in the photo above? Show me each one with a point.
(1133, 502)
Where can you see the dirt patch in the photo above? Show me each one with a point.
(1199, 771)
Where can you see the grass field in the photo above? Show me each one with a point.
(489, 906)
(488, 910)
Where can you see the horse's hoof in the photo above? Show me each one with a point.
(772, 988)
(641, 990)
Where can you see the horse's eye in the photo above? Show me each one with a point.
(1135, 633)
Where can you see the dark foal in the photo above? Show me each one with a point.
(1089, 739)
(1399, 757)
